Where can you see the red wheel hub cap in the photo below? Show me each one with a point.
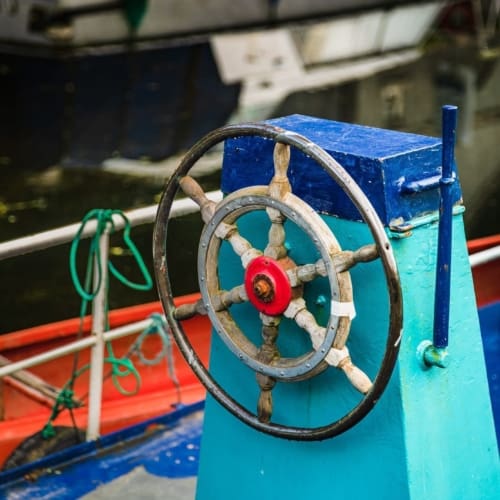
(267, 286)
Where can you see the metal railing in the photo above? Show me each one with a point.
(54, 237)
(99, 337)
(485, 256)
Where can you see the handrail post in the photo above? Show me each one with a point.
(98, 328)
(435, 353)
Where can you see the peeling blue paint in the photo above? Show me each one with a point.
(382, 162)
(166, 446)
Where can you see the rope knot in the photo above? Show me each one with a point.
(65, 398)
(48, 431)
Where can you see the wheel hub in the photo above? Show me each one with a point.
(267, 285)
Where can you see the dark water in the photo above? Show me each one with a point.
(37, 288)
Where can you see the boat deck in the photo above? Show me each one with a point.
(138, 483)
(157, 459)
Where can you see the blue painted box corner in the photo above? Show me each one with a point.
(398, 171)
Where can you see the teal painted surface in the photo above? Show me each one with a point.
(430, 436)
(238, 462)
(449, 432)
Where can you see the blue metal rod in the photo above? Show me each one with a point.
(443, 271)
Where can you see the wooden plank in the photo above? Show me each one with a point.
(32, 386)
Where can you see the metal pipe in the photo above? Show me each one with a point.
(435, 353)
(65, 234)
(98, 326)
(443, 267)
(77, 345)
(484, 256)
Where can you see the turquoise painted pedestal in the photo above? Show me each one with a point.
(431, 435)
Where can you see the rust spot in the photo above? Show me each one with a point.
(263, 288)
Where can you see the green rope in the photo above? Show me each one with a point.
(134, 12)
(158, 326)
(65, 399)
(120, 367)
(105, 217)
(48, 431)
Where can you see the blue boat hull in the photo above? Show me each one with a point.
(89, 107)
(158, 453)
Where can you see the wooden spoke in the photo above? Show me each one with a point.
(307, 272)
(278, 188)
(192, 189)
(225, 299)
(268, 353)
(297, 310)
(276, 246)
(187, 311)
(241, 246)
(228, 232)
(280, 185)
(343, 261)
(222, 300)
(338, 358)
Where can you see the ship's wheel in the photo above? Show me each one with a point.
(274, 284)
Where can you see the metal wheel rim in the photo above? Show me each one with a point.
(368, 213)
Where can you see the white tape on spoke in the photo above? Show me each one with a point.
(335, 356)
(343, 309)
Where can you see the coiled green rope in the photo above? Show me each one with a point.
(65, 399)
(158, 326)
(103, 218)
(120, 367)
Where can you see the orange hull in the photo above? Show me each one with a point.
(25, 414)
(486, 276)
